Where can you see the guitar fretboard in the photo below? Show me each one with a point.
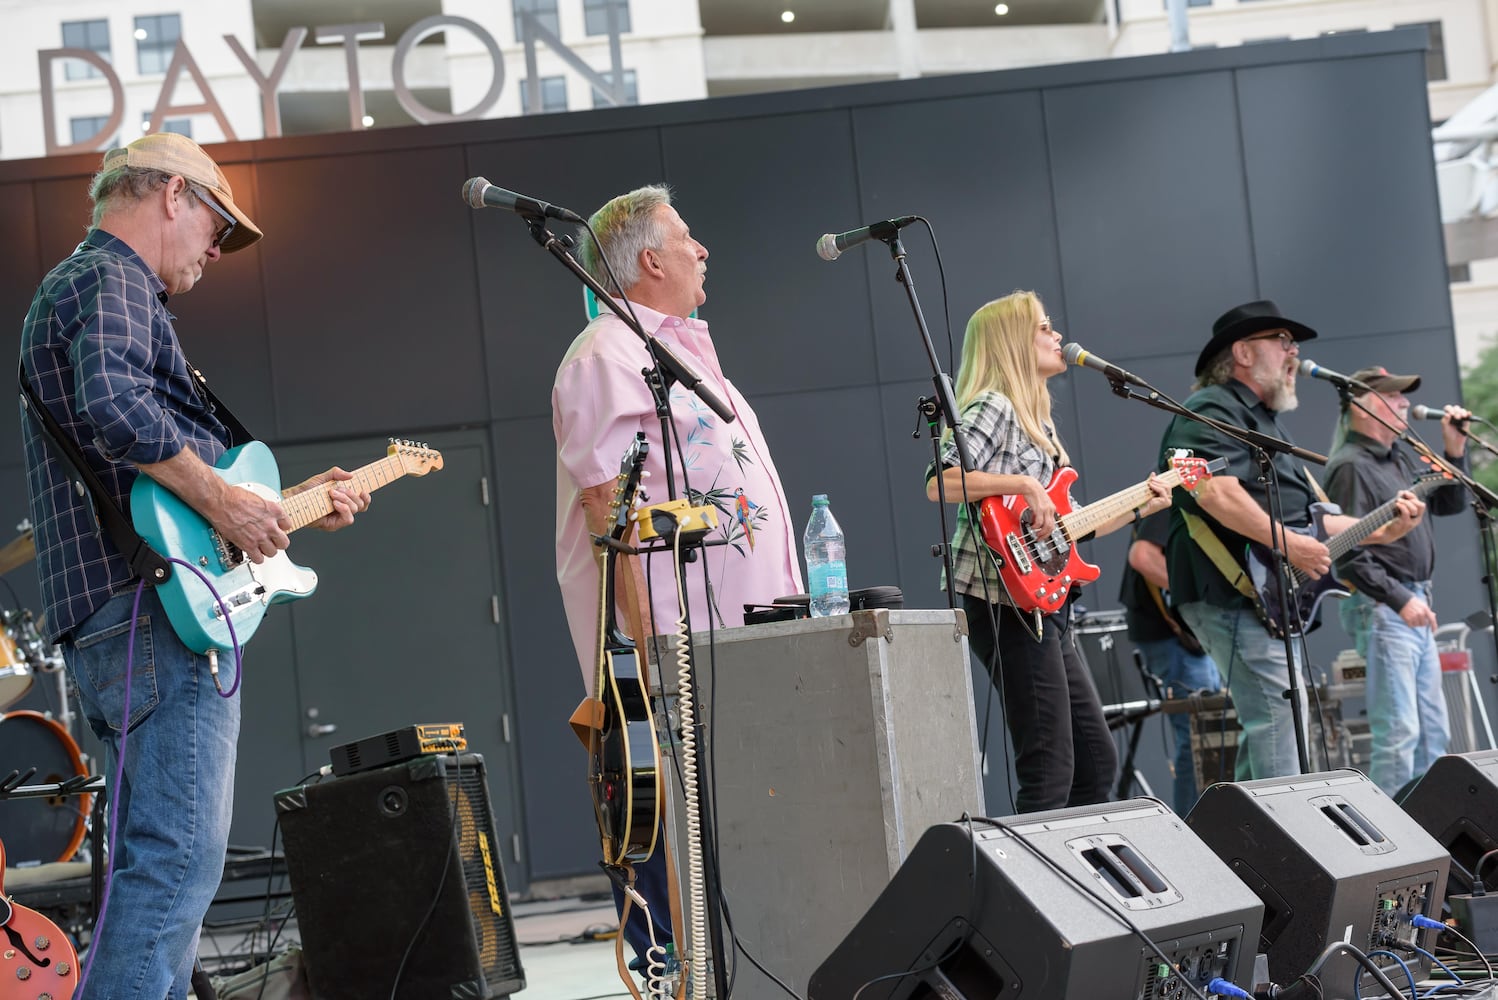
(310, 505)
(1344, 541)
(1087, 519)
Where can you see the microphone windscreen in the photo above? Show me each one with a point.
(827, 247)
(473, 191)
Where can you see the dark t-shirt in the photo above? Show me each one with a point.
(1193, 576)
(1140, 609)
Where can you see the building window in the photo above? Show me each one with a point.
(596, 15)
(155, 40)
(1435, 56)
(1346, 31)
(182, 126)
(545, 12)
(1189, 3)
(631, 90)
(91, 35)
(1458, 273)
(553, 95)
(84, 129)
(1266, 41)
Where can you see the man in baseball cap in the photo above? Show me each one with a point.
(100, 353)
(1389, 616)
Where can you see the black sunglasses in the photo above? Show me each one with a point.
(231, 223)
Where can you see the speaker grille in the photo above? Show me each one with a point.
(366, 854)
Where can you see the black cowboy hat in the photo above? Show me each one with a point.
(1245, 321)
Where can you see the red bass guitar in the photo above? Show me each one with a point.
(1038, 572)
(37, 962)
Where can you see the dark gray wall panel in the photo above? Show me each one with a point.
(372, 316)
(1154, 231)
(531, 305)
(827, 442)
(1360, 246)
(988, 196)
(221, 322)
(751, 189)
(561, 834)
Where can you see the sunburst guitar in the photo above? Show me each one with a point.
(624, 757)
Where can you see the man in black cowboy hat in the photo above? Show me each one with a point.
(1245, 377)
(1389, 615)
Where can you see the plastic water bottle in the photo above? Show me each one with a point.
(826, 566)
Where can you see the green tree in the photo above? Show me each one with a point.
(1480, 395)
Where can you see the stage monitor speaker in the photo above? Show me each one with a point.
(983, 912)
(369, 854)
(1333, 858)
(1456, 801)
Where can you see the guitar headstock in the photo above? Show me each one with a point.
(631, 470)
(416, 458)
(1193, 471)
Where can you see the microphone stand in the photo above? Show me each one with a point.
(1264, 446)
(1484, 501)
(934, 409)
(668, 369)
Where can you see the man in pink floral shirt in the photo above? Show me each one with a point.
(600, 401)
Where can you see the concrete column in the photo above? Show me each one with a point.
(907, 52)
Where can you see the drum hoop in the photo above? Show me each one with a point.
(75, 757)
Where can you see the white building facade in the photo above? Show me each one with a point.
(249, 69)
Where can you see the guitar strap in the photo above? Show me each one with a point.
(1206, 540)
(145, 562)
(1315, 486)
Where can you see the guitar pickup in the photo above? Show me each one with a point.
(235, 601)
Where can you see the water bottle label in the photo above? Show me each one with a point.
(829, 577)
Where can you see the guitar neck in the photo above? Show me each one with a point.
(1085, 520)
(1344, 542)
(310, 505)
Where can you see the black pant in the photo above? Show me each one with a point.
(1063, 752)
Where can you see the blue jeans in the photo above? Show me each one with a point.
(1258, 677)
(1182, 672)
(174, 803)
(1406, 704)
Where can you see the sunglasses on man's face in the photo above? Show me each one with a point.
(230, 223)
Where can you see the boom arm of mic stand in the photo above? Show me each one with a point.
(671, 365)
(1255, 439)
(1487, 497)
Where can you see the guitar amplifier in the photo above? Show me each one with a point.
(370, 854)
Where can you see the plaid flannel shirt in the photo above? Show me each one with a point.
(101, 354)
(998, 444)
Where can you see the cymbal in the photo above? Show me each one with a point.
(18, 553)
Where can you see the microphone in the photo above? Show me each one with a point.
(1421, 412)
(1313, 370)
(479, 193)
(1075, 355)
(831, 246)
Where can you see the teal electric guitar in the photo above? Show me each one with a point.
(176, 530)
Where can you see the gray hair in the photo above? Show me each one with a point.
(1217, 371)
(123, 184)
(626, 226)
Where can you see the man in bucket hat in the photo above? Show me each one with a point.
(1389, 615)
(99, 350)
(1245, 376)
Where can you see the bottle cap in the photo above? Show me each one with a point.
(819, 500)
